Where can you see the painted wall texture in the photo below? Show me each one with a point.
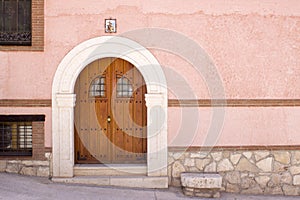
(254, 45)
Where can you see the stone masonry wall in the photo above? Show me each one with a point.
(246, 172)
(28, 167)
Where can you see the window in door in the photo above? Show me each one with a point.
(124, 87)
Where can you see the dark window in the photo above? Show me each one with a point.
(16, 138)
(15, 22)
(16, 134)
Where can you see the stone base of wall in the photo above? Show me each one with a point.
(28, 167)
(246, 172)
(206, 193)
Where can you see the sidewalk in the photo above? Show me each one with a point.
(23, 187)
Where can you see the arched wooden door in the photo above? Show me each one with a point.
(110, 113)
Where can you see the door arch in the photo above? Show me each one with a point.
(110, 114)
(63, 100)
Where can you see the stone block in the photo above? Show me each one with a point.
(177, 169)
(226, 154)
(188, 191)
(178, 155)
(207, 193)
(189, 162)
(273, 190)
(278, 167)
(233, 177)
(286, 178)
(247, 154)
(217, 156)
(246, 165)
(295, 157)
(12, 168)
(260, 155)
(201, 185)
(41, 163)
(295, 170)
(201, 180)
(28, 162)
(275, 180)
(265, 164)
(170, 160)
(3, 165)
(204, 154)
(296, 180)
(232, 188)
(283, 157)
(201, 163)
(43, 172)
(252, 190)
(247, 182)
(30, 171)
(290, 190)
(262, 180)
(235, 158)
(212, 167)
(176, 182)
(13, 162)
(225, 165)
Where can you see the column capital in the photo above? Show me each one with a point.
(156, 99)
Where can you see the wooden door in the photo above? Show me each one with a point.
(110, 113)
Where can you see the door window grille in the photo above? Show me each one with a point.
(15, 22)
(124, 87)
(16, 138)
(97, 88)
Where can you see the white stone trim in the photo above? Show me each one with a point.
(63, 100)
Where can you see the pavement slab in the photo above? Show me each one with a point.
(17, 187)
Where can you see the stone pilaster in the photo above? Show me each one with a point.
(157, 134)
(63, 157)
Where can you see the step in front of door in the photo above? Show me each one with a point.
(110, 170)
(118, 181)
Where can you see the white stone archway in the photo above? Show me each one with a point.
(63, 101)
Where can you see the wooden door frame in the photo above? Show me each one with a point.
(63, 101)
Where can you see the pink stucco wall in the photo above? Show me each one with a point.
(255, 46)
(239, 127)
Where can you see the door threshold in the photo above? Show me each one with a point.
(117, 181)
(110, 169)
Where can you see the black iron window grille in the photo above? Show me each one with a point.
(124, 87)
(15, 22)
(97, 88)
(16, 138)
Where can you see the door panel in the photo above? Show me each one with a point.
(110, 88)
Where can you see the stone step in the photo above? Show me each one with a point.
(119, 181)
(109, 170)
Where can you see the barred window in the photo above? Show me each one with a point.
(124, 87)
(97, 88)
(15, 22)
(15, 138)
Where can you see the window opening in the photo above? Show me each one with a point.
(124, 87)
(15, 138)
(15, 22)
(97, 88)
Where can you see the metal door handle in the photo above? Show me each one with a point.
(108, 119)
